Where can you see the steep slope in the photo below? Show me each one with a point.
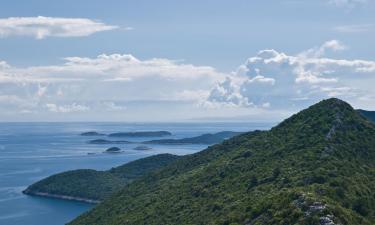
(93, 186)
(316, 167)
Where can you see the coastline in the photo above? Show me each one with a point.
(63, 197)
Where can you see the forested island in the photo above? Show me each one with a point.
(93, 186)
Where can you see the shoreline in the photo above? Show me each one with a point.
(63, 197)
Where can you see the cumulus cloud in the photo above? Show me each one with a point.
(41, 27)
(109, 68)
(276, 79)
(107, 82)
(119, 83)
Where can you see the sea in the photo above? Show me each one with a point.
(32, 151)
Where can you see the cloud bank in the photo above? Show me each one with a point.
(271, 81)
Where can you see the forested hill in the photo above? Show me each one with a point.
(317, 167)
(93, 186)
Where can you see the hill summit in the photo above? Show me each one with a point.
(317, 167)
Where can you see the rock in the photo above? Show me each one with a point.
(326, 220)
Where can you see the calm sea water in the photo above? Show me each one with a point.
(32, 151)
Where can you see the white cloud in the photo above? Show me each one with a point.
(227, 93)
(275, 79)
(117, 83)
(354, 28)
(112, 106)
(333, 45)
(107, 82)
(41, 27)
(347, 3)
(74, 107)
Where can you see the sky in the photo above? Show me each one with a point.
(181, 61)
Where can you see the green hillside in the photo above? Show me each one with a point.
(92, 185)
(317, 167)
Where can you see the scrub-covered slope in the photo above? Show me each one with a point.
(317, 167)
(93, 186)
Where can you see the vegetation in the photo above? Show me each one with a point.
(202, 139)
(141, 134)
(96, 185)
(316, 167)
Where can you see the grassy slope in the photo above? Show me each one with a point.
(97, 185)
(316, 166)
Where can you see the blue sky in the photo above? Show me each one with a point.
(231, 60)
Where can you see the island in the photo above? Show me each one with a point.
(201, 139)
(93, 186)
(142, 148)
(141, 134)
(113, 150)
(104, 142)
(92, 133)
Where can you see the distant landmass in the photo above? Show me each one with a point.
(104, 141)
(370, 115)
(141, 134)
(142, 148)
(315, 168)
(92, 133)
(201, 139)
(93, 186)
(113, 150)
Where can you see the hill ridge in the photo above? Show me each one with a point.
(316, 167)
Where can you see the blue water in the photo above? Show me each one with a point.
(32, 151)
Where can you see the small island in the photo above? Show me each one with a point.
(113, 150)
(142, 148)
(104, 141)
(141, 134)
(92, 133)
